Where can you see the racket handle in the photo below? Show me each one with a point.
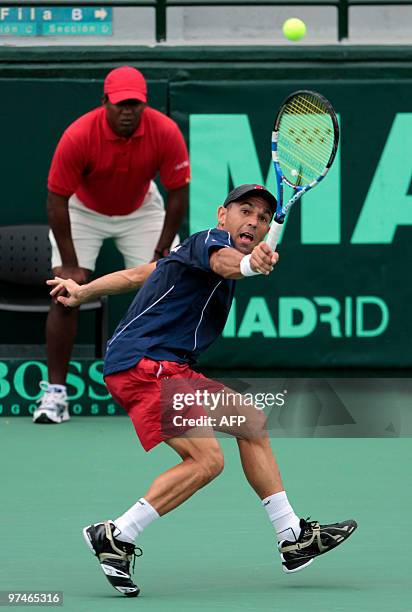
(274, 234)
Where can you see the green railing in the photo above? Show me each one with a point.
(161, 6)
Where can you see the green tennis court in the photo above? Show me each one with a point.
(218, 550)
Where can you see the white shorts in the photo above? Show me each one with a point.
(135, 235)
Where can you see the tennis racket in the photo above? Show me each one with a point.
(304, 143)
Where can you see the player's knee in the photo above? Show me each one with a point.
(261, 441)
(217, 463)
(212, 465)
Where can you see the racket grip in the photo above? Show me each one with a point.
(274, 234)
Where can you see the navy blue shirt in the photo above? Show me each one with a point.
(180, 310)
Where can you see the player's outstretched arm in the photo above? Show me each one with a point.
(230, 263)
(116, 282)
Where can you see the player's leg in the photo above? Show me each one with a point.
(299, 541)
(113, 541)
(88, 233)
(137, 234)
(202, 461)
(262, 472)
(143, 392)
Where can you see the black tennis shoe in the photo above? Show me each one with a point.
(114, 556)
(314, 540)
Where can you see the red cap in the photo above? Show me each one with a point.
(125, 83)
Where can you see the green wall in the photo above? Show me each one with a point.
(33, 114)
(340, 295)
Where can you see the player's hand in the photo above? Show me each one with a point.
(78, 275)
(69, 287)
(74, 273)
(263, 259)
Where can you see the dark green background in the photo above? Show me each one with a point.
(42, 91)
(33, 115)
(367, 110)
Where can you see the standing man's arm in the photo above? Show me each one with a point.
(174, 168)
(64, 177)
(176, 208)
(59, 221)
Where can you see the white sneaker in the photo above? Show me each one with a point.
(53, 408)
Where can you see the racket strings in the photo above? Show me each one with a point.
(305, 103)
(308, 172)
(299, 106)
(305, 138)
(292, 154)
(318, 131)
(318, 156)
(304, 176)
(321, 125)
(313, 160)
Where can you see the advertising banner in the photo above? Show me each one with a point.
(340, 294)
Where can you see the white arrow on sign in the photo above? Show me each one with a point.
(100, 13)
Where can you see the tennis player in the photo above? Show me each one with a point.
(180, 310)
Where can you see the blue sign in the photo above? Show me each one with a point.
(56, 21)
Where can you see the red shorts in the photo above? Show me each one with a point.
(148, 393)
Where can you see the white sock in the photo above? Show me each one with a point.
(134, 521)
(282, 516)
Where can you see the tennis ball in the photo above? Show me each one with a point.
(294, 29)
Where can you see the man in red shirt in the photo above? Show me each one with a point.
(101, 186)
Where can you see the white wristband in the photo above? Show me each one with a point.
(245, 267)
